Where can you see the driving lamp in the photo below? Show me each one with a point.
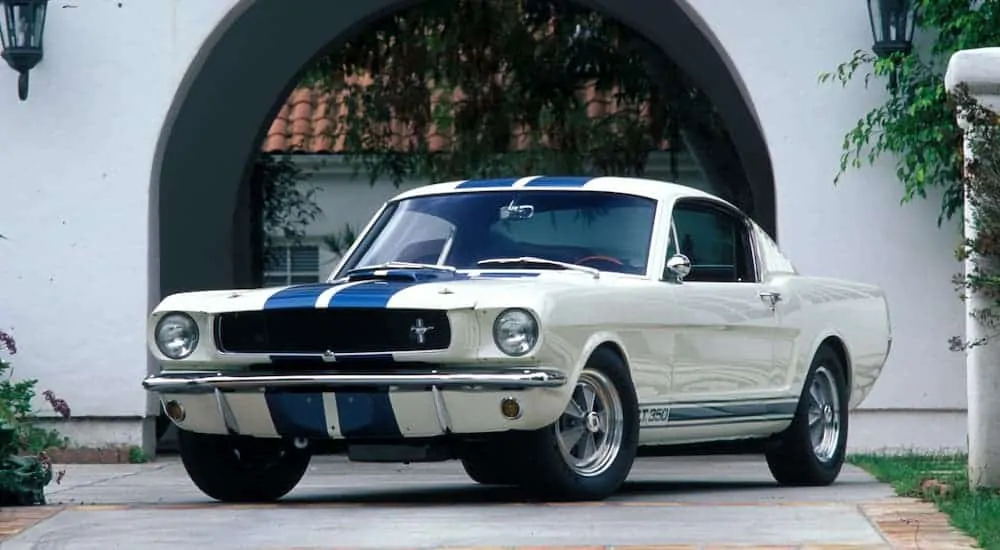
(515, 332)
(176, 335)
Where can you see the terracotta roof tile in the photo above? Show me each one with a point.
(304, 122)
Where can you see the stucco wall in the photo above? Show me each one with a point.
(77, 158)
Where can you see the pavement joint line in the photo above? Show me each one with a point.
(116, 477)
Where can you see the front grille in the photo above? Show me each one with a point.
(352, 330)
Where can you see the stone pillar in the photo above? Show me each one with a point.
(979, 70)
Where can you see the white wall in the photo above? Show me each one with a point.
(77, 158)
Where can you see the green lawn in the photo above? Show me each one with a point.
(976, 513)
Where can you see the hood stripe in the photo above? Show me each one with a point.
(362, 294)
(323, 300)
(300, 296)
(369, 294)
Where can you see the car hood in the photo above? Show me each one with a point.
(398, 289)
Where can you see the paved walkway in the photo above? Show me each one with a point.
(667, 503)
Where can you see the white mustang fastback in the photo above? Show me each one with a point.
(539, 329)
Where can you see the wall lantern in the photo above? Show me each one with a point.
(22, 23)
(892, 23)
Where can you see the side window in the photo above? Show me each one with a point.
(716, 241)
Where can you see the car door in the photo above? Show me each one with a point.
(724, 338)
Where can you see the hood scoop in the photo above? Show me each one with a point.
(409, 274)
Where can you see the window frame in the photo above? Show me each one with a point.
(288, 273)
(743, 223)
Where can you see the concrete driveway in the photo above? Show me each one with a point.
(668, 502)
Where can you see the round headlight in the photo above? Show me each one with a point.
(515, 332)
(176, 335)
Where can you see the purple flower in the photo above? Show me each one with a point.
(7, 342)
(58, 405)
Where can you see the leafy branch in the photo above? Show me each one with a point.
(982, 187)
(485, 88)
(916, 124)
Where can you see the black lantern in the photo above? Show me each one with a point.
(22, 23)
(893, 22)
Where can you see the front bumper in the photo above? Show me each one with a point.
(384, 406)
(204, 382)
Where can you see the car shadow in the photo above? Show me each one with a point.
(465, 494)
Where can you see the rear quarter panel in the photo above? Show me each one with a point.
(815, 309)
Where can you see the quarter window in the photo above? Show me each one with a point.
(716, 241)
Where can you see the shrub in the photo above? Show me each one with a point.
(25, 468)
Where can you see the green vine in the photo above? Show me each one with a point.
(982, 186)
(916, 124)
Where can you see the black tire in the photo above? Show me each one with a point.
(548, 473)
(241, 469)
(486, 471)
(794, 460)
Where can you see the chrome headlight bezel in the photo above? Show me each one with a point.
(524, 321)
(191, 342)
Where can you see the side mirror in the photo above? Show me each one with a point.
(679, 265)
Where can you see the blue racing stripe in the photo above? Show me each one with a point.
(369, 294)
(725, 411)
(297, 414)
(298, 296)
(558, 181)
(366, 415)
(501, 182)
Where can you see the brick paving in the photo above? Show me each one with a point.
(14, 520)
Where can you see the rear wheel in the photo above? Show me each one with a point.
(589, 451)
(241, 469)
(811, 451)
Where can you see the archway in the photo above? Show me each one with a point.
(243, 73)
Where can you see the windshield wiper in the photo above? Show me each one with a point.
(402, 265)
(531, 260)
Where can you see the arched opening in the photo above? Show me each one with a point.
(243, 74)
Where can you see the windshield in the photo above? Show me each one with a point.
(606, 231)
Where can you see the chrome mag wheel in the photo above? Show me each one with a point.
(590, 431)
(824, 414)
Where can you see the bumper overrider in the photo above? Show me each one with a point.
(400, 404)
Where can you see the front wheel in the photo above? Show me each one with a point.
(589, 451)
(811, 451)
(241, 469)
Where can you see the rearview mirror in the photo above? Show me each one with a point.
(679, 265)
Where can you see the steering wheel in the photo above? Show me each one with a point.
(598, 257)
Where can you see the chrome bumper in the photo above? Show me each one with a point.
(207, 382)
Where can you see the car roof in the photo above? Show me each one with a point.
(642, 187)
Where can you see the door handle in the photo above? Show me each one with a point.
(770, 297)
